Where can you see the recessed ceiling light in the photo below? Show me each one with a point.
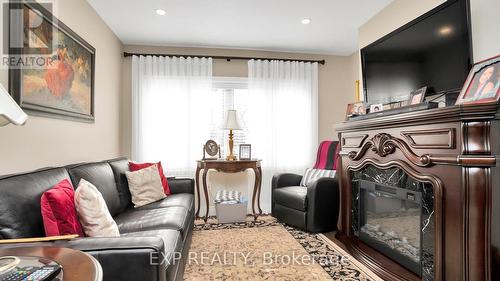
(306, 21)
(160, 12)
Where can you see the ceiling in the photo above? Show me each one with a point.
(272, 25)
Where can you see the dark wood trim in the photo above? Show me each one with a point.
(450, 140)
(359, 138)
(384, 144)
(228, 58)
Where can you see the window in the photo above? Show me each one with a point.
(177, 105)
(229, 93)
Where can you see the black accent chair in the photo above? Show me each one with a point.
(313, 208)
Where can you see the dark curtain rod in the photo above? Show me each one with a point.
(228, 58)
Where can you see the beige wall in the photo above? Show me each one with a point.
(485, 24)
(336, 82)
(50, 142)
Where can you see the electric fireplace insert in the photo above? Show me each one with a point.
(393, 213)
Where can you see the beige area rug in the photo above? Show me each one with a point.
(267, 250)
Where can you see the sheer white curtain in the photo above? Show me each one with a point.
(282, 117)
(171, 111)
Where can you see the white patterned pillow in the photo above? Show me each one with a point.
(145, 186)
(93, 212)
(311, 175)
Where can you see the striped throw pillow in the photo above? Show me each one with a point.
(311, 175)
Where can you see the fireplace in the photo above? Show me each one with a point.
(450, 156)
(393, 213)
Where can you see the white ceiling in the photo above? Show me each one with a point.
(273, 25)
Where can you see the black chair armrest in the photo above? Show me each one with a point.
(323, 205)
(287, 179)
(126, 258)
(181, 185)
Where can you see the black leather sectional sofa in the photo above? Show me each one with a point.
(154, 240)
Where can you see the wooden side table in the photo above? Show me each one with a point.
(229, 167)
(77, 265)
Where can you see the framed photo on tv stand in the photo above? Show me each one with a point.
(417, 96)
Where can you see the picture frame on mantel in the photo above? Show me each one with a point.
(482, 84)
(417, 96)
(63, 85)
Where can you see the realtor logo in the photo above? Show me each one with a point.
(28, 35)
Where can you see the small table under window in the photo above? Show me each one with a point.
(229, 167)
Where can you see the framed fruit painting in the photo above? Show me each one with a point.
(61, 87)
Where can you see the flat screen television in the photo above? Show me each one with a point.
(433, 50)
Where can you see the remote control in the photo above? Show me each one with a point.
(31, 273)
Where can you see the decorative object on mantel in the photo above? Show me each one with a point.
(483, 83)
(63, 86)
(245, 151)
(231, 123)
(376, 107)
(355, 109)
(417, 96)
(10, 112)
(357, 91)
(212, 149)
(396, 110)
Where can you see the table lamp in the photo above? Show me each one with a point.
(10, 112)
(231, 123)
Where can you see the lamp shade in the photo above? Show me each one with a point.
(10, 112)
(231, 122)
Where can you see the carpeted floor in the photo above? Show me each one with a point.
(267, 250)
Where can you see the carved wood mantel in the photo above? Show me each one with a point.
(456, 150)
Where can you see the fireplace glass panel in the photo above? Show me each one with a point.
(390, 222)
(394, 213)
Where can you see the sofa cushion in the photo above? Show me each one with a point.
(58, 210)
(180, 200)
(20, 195)
(93, 213)
(311, 175)
(119, 167)
(294, 197)
(139, 166)
(101, 176)
(177, 218)
(145, 186)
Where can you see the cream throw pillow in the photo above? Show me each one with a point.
(145, 186)
(93, 212)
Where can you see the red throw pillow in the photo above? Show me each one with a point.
(58, 210)
(139, 166)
